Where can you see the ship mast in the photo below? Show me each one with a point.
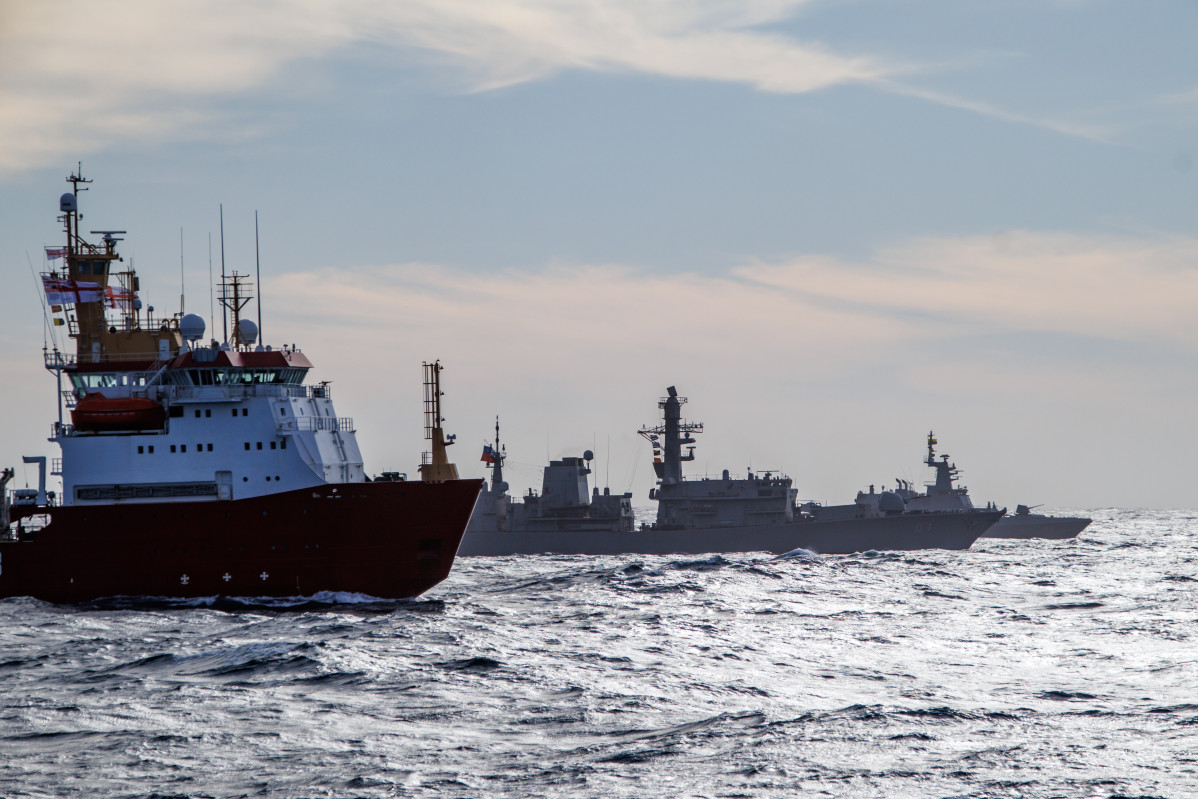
(234, 296)
(435, 466)
(946, 473)
(499, 455)
(677, 433)
(84, 289)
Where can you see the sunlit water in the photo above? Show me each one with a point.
(1015, 669)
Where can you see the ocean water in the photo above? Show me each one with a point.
(1015, 669)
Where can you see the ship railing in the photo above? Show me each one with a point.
(240, 391)
(55, 360)
(56, 466)
(69, 398)
(59, 360)
(343, 424)
(60, 429)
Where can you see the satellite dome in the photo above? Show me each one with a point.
(891, 502)
(248, 331)
(192, 327)
(588, 455)
(67, 203)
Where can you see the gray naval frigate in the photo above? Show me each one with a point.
(563, 507)
(945, 495)
(699, 516)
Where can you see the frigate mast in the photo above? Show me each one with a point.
(499, 455)
(677, 433)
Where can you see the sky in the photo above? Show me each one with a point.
(834, 226)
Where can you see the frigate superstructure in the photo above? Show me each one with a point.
(564, 506)
(757, 513)
(943, 495)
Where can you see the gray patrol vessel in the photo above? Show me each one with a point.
(698, 516)
(1025, 524)
(945, 495)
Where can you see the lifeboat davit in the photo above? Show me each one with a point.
(95, 412)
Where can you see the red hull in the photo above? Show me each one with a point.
(390, 540)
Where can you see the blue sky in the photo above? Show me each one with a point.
(834, 225)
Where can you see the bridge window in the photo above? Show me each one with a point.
(93, 381)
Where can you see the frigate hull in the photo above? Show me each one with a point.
(839, 537)
(1037, 526)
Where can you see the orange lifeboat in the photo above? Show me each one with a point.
(95, 412)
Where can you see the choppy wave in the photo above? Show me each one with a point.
(1016, 669)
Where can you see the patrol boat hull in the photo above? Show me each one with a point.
(901, 532)
(1037, 526)
(391, 540)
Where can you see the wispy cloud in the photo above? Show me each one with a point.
(1107, 288)
(1104, 133)
(76, 76)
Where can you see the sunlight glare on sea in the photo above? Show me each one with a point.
(1014, 669)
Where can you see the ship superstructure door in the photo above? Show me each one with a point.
(224, 485)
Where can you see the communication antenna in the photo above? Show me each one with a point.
(211, 287)
(182, 280)
(258, 275)
(224, 315)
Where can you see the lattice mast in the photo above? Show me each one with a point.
(436, 465)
